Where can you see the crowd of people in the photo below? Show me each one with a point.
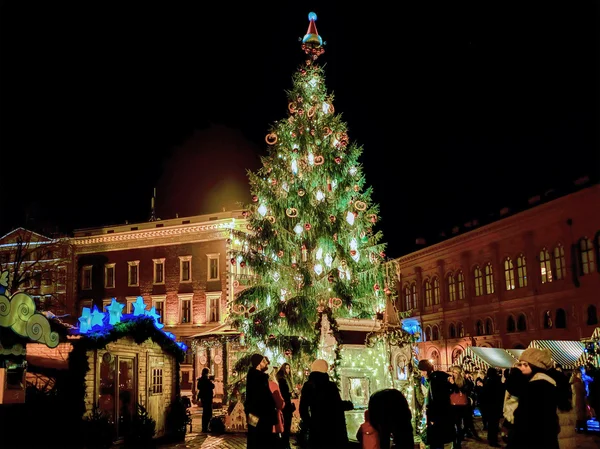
(533, 405)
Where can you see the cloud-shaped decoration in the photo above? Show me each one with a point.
(18, 313)
(17, 349)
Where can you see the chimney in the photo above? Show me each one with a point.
(420, 241)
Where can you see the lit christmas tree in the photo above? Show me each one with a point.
(311, 243)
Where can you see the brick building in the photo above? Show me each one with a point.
(179, 266)
(530, 275)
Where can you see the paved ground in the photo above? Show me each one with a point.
(197, 440)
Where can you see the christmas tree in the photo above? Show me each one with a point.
(311, 243)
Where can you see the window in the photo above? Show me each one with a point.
(522, 271)
(413, 292)
(509, 274)
(213, 308)
(548, 323)
(84, 303)
(213, 267)
(109, 275)
(407, 302)
(133, 270)
(436, 290)
(592, 315)
(157, 381)
(158, 302)
(456, 354)
(478, 281)
(186, 309)
(427, 293)
(479, 328)
(522, 323)
(451, 288)
(545, 267)
(510, 324)
(489, 279)
(86, 277)
(428, 333)
(61, 282)
(452, 330)
(586, 256)
(185, 268)
(561, 318)
(460, 330)
(129, 307)
(435, 333)
(560, 266)
(159, 271)
(460, 281)
(489, 326)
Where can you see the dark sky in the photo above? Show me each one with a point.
(461, 108)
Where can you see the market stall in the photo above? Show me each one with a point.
(569, 354)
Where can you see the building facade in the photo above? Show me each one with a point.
(531, 275)
(178, 266)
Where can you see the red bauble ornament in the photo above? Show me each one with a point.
(332, 218)
(254, 198)
(282, 314)
(279, 253)
(382, 254)
(338, 160)
(232, 261)
(376, 287)
(288, 352)
(307, 226)
(242, 264)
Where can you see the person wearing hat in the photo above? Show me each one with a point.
(322, 410)
(535, 418)
(440, 428)
(261, 413)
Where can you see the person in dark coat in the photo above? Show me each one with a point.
(205, 395)
(492, 402)
(440, 423)
(322, 410)
(390, 415)
(284, 378)
(261, 413)
(535, 418)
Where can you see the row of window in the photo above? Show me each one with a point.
(552, 267)
(185, 310)
(158, 272)
(486, 327)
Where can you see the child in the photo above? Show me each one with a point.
(367, 435)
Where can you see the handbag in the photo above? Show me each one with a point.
(459, 399)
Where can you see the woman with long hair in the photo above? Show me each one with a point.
(284, 378)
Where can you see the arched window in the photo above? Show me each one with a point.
(560, 267)
(428, 333)
(452, 330)
(522, 271)
(427, 287)
(522, 323)
(545, 266)
(510, 324)
(460, 283)
(548, 323)
(478, 328)
(436, 290)
(435, 357)
(413, 293)
(407, 302)
(456, 354)
(561, 318)
(489, 279)
(478, 277)
(592, 315)
(435, 333)
(451, 287)
(509, 274)
(586, 256)
(489, 326)
(460, 330)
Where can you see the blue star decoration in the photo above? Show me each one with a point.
(85, 321)
(139, 307)
(115, 310)
(152, 313)
(97, 317)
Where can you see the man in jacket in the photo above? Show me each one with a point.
(440, 423)
(205, 395)
(259, 405)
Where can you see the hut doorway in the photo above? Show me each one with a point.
(117, 390)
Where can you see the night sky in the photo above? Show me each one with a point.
(461, 108)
